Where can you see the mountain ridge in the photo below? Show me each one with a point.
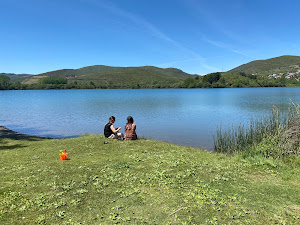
(116, 77)
(280, 64)
(102, 76)
(16, 77)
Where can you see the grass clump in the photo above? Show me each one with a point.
(275, 135)
(140, 182)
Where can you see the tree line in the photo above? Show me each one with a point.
(4, 82)
(236, 80)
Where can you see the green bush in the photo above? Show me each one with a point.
(53, 80)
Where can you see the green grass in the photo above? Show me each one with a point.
(141, 182)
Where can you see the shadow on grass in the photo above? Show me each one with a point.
(22, 137)
(6, 145)
(10, 147)
(6, 133)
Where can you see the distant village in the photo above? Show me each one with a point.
(286, 75)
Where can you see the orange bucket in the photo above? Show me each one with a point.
(63, 156)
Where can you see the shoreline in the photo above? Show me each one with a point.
(8, 133)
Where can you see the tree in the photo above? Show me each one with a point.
(4, 82)
(189, 82)
(53, 80)
(206, 85)
(212, 77)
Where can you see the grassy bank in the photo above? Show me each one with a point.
(141, 182)
(275, 135)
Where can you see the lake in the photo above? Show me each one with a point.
(186, 117)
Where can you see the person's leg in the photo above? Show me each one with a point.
(120, 136)
(113, 136)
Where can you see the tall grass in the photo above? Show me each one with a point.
(240, 138)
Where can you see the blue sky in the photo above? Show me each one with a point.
(196, 36)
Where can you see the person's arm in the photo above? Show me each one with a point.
(134, 126)
(114, 130)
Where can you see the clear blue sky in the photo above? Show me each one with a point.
(196, 36)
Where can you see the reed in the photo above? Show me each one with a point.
(240, 138)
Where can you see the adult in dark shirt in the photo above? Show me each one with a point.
(110, 131)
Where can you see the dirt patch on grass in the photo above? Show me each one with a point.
(33, 80)
(266, 179)
(295, 207)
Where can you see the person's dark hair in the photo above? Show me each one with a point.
(112, 118)
(129, 119)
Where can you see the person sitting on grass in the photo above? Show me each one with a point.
(130, 127)
(110, 131)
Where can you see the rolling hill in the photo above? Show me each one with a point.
(16, 77)
(100, 76)
(117, 77)
(281, 64)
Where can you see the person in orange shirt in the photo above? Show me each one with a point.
(130, 128)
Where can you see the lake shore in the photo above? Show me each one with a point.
(7, 133)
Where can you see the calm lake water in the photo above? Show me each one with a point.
(183, 116)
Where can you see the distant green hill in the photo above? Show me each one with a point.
(116, 77)
(100, 76)
(282, 64)
(16, 77)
